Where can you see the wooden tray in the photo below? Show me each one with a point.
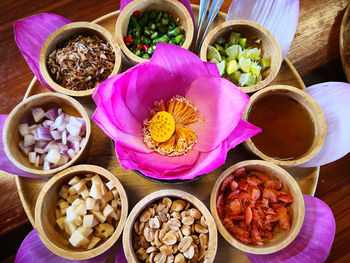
(102, 153)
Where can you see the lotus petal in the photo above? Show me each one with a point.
(333, 98)
(5, 164)
(280, 17)
(32, 250)
(186, 3)
(123, 103)
(30, 35)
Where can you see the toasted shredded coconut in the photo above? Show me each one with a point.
(81, 63)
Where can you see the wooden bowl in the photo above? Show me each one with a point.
(250, 30)
(344, 43)
(315, 112)
(63, 34)
(51, 235)
(174, 7)
(296, 210)
(153, 197)
(12, 137)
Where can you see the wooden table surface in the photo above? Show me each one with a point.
(316, 43)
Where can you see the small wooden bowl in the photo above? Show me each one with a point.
(49, 232)
(344, 43)
(296, 210)
(63, 34)
(250, 30)
(171, 193)
(174, 7)
(315, 112)
(12, 137)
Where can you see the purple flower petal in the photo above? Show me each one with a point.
(30, 35)
(333, 98)
(220, 114)
(186, 3)
(280, 17)
(32, 250)
(5, 164)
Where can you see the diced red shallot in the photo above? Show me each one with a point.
(28, 140)
(25, 119)
(48, 124)
(24, 129)
(33, 128)
(36, 163)
(32, 157)
(46, 165)
(56, 135)
(53, 156)
(52, 114)
(64, 137)
(38, 113)
(71, 153)
(25, 149)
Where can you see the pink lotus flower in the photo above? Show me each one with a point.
(127, 102)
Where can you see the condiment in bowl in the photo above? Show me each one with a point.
(258, 207)
(293, 125)
(127, 23)
(77, 56)
(249, 48)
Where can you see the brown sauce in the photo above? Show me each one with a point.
(288, 130)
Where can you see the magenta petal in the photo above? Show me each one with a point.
(212, 69)
(220, 104)
(30, 35)
(314, 241)
(243, 131)
(5, 164)
(186, 3)
(280, 17)
(32, 250)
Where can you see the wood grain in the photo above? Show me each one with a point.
(315, 44)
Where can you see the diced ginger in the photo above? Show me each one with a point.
(96, 207)
(80, 209)
(109, 220)
(58, 213)
(60, 222)
(85, 194)
(107, 197)
(103, 189)
(96, 180)
(99, 216)
(71, 198)
(114, 204)
(110, 185)
(114, 215)
(78, 221)
(118, 214)
(79, 185)
(90, 203)
(71, 190)
(104, 230)
(95, 191)
(78, 240)
(69, 227)
(108, 210)
(85, 231)
(71, 216)
(78, 202)
(63, 210)
(90, 221)
(64, 191)
(115, 193)
(93, 242)
(74, 180)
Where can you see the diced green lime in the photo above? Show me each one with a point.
(233, 51)
(234, 77)
(254, 53)
(220, 49)
(214, 61)
(234, 38)
(231, 67)
(221, 67)
(244, 64)
(221, 40)
(247, 79)
(264, 63)
(212, 52)
(258, 78)
(243, 53)
(255, 69)
(242, 42)
(258, 41)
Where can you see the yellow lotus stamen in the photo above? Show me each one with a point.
(167, 131)
(162, 126)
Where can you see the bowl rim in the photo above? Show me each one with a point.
(133, 5)
(277, 49)
(152, 197)
(90, 26)
(227, 235)
(319, 139)
(74, 103)
(72, 171)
